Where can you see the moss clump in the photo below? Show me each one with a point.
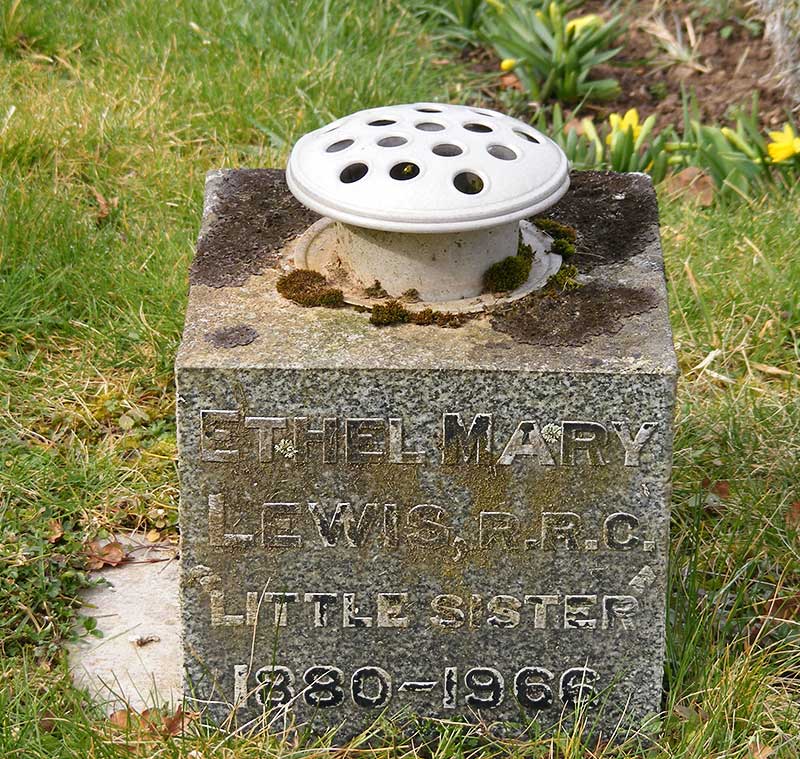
(564, 280)
(309, 288)
(438, 318)
(376, 291)
(507, 274)
(393, 312)
(563, 247)
(411, 295)
(556, 229)
(384, 314)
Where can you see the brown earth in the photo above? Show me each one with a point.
(724, 72)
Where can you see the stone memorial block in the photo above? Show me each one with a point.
(466, 523)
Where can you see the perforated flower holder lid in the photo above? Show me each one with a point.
(424, 198)
(427, 167)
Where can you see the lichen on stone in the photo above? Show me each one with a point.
(309, 288)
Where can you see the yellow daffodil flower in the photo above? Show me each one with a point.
(582, 22)
(784, 145)
(508, 64)
(630, 121)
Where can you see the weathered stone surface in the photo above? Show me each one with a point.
(464, 522)
(137, 663)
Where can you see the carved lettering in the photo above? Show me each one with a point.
(462, 446)
(365, 440)
(304, 437)
(397, 454)
(526, 440)
(618, 531)
(322, 603)
(504, 611)
(217, 537)
(633, 445)
(266, 426)
(540, 604)
(448, 611)
(497, 527)
(577, 612)
(217, 430)
(619, 609)
(343, 522)
(389, 610)
(426, 526)
(560, 528)
(587, 438)
(277, 525)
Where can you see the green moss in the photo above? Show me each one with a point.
(556, 229)
(563, 247)
(394, 312)
(384, 314)
(564, 279)
(438, 318)
(507, 274)
(309, 288)
(376, 291)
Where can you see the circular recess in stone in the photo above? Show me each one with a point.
(446, 149)
(353, 172)
(337, 146)
(361, 191)
(502, 152)
(392, 142)
(404, 170)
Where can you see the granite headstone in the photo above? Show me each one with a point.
(462, 523)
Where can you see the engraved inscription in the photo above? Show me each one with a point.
(533, 687)
(227, 436)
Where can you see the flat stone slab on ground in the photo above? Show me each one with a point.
(138, 661)
(463, 523)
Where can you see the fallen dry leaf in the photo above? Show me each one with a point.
(722, 488)
(104, 206)
(99, 556)
(774, 612)
(121, 718)
(510, 81)
(760, 752)
(774, 371)
(47, 722)
(690, 713)
(152, 722)
(144, 640)
(793, 516)
(692, 182)
(56, 531)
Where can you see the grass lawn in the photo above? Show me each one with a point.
(110, 114)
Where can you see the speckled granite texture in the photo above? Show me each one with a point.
(465, 523)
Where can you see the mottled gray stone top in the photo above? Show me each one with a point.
(617, 322)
